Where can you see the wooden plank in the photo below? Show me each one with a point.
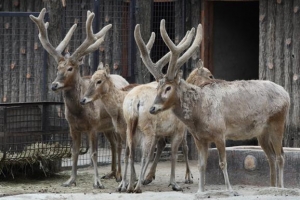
(22, 55)
(117, 42)
(279, 44)
(207, 45)
(124, 35)
(14, 64)
(288, 26)
(270, 41)
(108, 15)
(32, 33)
(295, 74)
(2, 75)
(38, 64)
(54, 31)
(143, 17)
(7, 54)
(263, 21)
(195, 20)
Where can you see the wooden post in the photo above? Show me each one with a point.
(7, 51)
(108, 14)
(22, 53)
(143, 17)
(14, 64)
(117, 42)
(54, 9)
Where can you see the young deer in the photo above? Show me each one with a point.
(102, 87)
(223, 110)
(82, 119)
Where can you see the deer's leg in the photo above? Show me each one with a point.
(148, 145)
(111, 137)
(276, 131)
(176, 141)
(202, 147)
(185, 150)
(130, 136)
(151, 174)
(124, 183)
(94, 155)
(119, 148)
(266, 146)
(220, 144)
(76, 142)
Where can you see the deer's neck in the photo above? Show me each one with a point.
(72, 96)
(188, 99)
(113, 101)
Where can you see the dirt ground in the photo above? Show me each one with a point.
(50, 187)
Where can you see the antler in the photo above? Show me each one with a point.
(176, 62)
(154, 68)
(92, 41)
(43, 36)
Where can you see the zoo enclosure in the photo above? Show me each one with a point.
(32, 123)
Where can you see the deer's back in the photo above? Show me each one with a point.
(137, 104)
(240, 107)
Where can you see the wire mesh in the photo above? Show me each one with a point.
(32, 132)
(21, 61)
(39, 130)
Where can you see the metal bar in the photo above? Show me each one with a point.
(18, 14)
(32, 103)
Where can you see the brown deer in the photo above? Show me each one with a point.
(223, 110)
(82, 119)
(102, 87)
(147, 129)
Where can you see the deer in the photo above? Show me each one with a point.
(114, 99)
(82, 119)
(235, 110)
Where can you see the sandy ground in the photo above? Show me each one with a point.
(50, 187)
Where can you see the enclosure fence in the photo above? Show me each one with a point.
(31, 127)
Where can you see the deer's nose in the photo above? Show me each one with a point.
(83, 101)
(152, 110)
(54, 86)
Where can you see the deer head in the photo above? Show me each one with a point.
(99, 85)
(168, 83)
(68, 66)
(199, 71)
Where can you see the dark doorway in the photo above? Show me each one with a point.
(235, 40)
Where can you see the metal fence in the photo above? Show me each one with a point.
(30, 127)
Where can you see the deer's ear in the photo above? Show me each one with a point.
(179, 76)
(100, 66)
(107, 70)
(80, 61)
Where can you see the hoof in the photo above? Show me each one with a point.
(234, 193)
(129, 191)
(147, 181)
(176, 187)
(98, 186)
(137, 190)
(188, 181)
(68, 184)
(118, 179)
(109, 175)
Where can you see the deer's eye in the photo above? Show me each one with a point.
(99, 82)
(168, 88)
(70, 69)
